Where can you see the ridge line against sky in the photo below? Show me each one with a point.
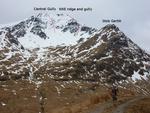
(134, 14)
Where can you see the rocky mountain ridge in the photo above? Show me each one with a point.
(106, 55)
(44, 30)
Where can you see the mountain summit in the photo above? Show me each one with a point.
(43, 30)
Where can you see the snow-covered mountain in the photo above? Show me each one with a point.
(107, 56)
(59, 48)
(67, 67)
(44, 30)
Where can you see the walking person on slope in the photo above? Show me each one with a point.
(114, 92)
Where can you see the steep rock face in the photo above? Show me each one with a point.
(51, 30)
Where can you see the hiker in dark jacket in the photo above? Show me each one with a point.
(114, 92)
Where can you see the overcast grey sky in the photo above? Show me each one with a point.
(133, 13)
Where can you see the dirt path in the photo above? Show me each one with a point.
(100, 108)
(121, 108)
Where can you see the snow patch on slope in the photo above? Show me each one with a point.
(137, 76)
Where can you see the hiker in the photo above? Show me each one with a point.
(114, 92)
